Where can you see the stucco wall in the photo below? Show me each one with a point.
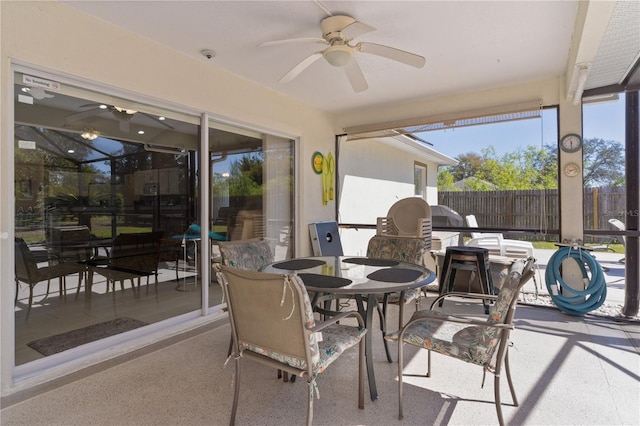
(370, 184)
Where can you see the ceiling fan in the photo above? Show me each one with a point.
(337, 32)
(123, 115)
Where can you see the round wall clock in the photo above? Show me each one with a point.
(571, 143)
(571, 169)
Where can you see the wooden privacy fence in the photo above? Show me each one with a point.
(534, 210)
(602, 204)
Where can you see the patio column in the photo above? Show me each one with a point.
(632, 136)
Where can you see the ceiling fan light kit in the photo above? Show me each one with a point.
(124, 110)
(338, 55)
(89, 134)
(337, 32)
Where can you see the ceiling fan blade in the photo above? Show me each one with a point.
(355, 76)
(39, 93)
(306, 62)
(124, 125)
(391, 53)
(294, 40)
(83, 114)
(355, 29)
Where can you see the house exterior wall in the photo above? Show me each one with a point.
(370, 184)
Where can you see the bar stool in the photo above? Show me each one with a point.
(469, 259)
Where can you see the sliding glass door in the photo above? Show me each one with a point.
(104, 187)
(108, 211)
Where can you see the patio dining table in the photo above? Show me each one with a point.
(360, 277)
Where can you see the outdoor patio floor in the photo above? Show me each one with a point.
(567, 371)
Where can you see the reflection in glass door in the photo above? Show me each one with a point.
(104, 189)
(251, 191)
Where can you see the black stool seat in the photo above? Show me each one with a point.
(471, 259)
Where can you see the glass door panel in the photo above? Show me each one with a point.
(251, 191)
(105, 188)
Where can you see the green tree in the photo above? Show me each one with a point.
(603, 163)
(469, 165)
(245, 176)
(529, 168)
(446, 180)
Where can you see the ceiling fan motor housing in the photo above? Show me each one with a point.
(333, 25)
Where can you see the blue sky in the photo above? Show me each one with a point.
(603, 120)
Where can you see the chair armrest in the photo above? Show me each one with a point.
(334, 319)
(424, 228)
(478, 296)
(427, 316)
(420, 316)
(385, 226)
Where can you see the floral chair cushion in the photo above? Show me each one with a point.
(335, 339)
(474, 344)
(250, 255)
(403, 249)
(469, 343)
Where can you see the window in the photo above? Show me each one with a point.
(506, 174)
(420, 180)
(604, 163)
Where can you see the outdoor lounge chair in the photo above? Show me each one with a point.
(272, 323)
(496, 243)
(481, 342)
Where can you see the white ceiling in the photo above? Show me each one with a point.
(468, 45)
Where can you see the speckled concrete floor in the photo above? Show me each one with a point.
(567, 371)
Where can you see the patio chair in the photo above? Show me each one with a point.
(409, 217)
(247, 224)
(620, 226)
(250, 255)
(481, 342)
(28, 272)
(133, 256)
(404, 249)
(272, 323)
(496, 243)
(70, 243)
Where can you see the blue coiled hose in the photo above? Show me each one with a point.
(576, 302)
